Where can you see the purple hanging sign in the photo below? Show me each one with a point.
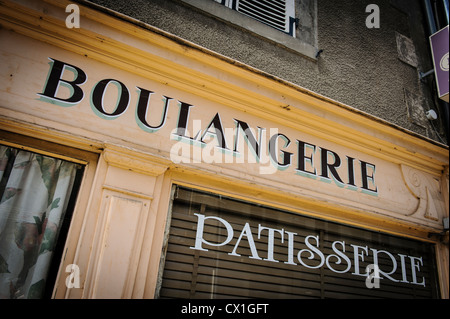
(439, 48)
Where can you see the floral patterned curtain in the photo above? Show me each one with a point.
(34, 193)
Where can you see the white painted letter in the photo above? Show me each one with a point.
(415, 266)
(312, 249)
(356, 258)
(271, 232)
(290, 248)
(248, 233)
(199, 236)
(339, 256)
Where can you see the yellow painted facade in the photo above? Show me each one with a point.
(118, 226)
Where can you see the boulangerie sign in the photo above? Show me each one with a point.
(215, 142)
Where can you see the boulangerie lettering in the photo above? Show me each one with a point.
(211, 141)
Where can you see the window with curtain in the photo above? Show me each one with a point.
(35, 192)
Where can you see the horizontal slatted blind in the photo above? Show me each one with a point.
(271, 12)
(191, 273)
(279, 14)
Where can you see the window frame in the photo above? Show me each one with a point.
(295, 44)
(270, 14)
(89, 160)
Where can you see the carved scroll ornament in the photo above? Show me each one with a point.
(427, 190)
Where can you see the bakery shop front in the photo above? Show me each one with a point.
(165, 170)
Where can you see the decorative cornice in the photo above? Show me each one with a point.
(134, 160)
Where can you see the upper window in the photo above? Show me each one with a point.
(291, 24)
(279, 14)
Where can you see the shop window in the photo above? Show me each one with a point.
(219, 247)
(37, 196)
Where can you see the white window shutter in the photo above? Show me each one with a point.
(279, 14)
(226, 3)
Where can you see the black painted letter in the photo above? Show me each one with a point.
(97, 99)
(54, 80)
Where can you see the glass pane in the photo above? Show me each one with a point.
(220, 247)
(35, 191)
